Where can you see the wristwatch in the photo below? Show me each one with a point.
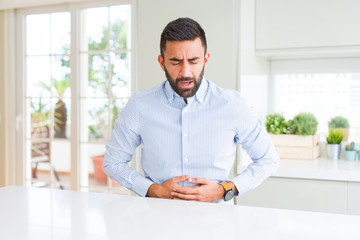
(229, 193)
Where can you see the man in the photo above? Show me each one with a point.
(188, 128)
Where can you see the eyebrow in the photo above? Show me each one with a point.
(179, 60)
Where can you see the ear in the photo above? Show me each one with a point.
(207, 56)
(161, 62)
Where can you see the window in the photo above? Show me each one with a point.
(331, 90)
(47, 94)
(325, 95)
(105, 56)
(77, 72)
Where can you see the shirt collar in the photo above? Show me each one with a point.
(200, 93)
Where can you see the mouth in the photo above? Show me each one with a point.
(186, 84)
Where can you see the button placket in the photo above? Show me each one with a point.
(185, 138)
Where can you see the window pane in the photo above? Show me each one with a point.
(121, 75)
(92, 174)
(120, 27)
(324, 95)
(38, 34)
(38, 77)
(60, 33)
(61, 118)
(60, 73)
(40, 110)
(96, 119)
(97, 28)
(48, 99)
(98, 75)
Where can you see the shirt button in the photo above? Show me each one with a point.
(186, 160)
(186, 135)
(185, 110)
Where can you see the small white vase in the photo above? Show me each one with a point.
(333, 151)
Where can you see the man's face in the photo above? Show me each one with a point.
(184, 63)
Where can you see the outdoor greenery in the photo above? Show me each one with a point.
(335, 136)
(276, 124)
(100, 72)
(99, 76)
(338, 122)
(303, 124)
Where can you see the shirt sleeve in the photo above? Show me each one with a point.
(253, 137)
(124, 140)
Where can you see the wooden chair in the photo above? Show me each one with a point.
(41, 152)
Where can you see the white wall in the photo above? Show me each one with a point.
(217, 19)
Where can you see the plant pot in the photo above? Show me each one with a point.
(290, 146)
(358, 153)
(333, 151)
(100, 176)
(350, 155)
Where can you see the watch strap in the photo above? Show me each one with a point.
(226, 186)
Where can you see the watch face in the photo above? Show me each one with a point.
(229, 195)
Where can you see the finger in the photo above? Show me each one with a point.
(181, 178)
(192, 190)
(199, 180)
(183, 196)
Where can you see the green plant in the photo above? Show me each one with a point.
(303, 124)
(338, 122)
(60, 111)
(335, 136)
(276, 124)
(350, 147)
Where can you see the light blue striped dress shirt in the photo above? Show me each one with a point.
(197, 139)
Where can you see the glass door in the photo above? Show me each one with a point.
(47, 99)
(105, 86)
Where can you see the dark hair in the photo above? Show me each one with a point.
(182, 29)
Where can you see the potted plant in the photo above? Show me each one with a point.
(350, 152)
(304, 124)
(276, 124)
(333, 147)
(295, 139)
(341, 123)
(60, 111)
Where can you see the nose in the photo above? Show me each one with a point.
(185, 70)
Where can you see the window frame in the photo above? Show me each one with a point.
(318, 65)
(75, 14)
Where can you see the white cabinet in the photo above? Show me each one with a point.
(305, 194)
(354, 198)
(320, 26)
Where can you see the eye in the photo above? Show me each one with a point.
(175, 63)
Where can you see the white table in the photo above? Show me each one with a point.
(33, 213)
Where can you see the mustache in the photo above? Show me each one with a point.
(185, 79)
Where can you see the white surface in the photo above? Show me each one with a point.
(320, 168)
(30, 213)
(303, 194)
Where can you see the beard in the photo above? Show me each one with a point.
(185, 92)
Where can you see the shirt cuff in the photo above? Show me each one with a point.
(141, 185)
(242, 183)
